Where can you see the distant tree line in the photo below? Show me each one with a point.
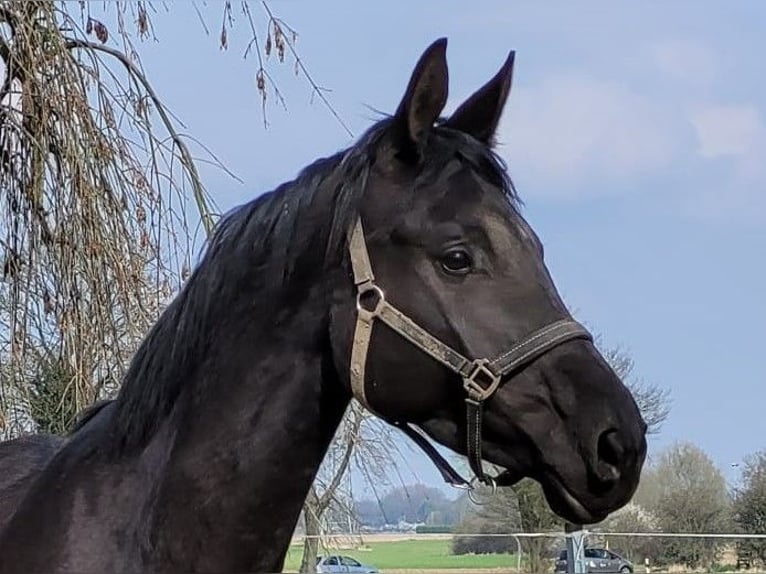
(682, 491)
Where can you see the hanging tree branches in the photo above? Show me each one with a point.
(98, 194)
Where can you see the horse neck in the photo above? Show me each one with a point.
(247, 449)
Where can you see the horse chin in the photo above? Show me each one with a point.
(560, 498)
(565, 504)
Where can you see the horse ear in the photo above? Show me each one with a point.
(480, 114)
(424, 99)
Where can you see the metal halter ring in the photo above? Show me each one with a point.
(472, 489)
(364, 289)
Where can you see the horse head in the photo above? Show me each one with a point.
(454, 324)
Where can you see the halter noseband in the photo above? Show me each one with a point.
(481, 377)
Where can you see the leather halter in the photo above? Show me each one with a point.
(481, 377)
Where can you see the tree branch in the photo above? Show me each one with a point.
(186, 158)
(299, 64)
(8, 17)
(329, 494)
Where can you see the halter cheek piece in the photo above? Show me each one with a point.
(481, 377)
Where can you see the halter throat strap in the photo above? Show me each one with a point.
(481, 377)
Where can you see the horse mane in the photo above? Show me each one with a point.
(88, 413)
(264, 245)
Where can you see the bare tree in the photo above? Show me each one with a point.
(520, 508)
(653, 400)
(750, 507)
(363, 443)
(536, 516)
(692, 498)
(325, 491)
(98, 194)
(633, 517)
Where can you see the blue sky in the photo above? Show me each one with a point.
(635, 134)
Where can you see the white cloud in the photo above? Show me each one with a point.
(685, 60)
(573, 136)
(726, 130)
(572, 128)
(734, 137)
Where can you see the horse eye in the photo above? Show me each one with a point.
(456, 261)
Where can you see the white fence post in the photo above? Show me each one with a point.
(575, 548)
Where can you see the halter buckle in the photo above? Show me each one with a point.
(482, 382)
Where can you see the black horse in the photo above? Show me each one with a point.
(399, 271)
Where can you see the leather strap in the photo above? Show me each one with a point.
(473, 410)
(449, 474)
(359, 348)
(481, 377)
(538, 343)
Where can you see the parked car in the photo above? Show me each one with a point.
(343, 565)
(598, 560)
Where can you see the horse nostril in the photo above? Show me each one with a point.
(610, 449)
(610, 452)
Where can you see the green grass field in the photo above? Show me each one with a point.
(414, 554)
